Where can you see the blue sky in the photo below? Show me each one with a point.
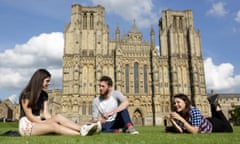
(31, 36)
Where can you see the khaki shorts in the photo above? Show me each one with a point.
(25, 127)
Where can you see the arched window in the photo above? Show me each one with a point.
(145, 79)
(84, 108)
(90, 109)
(91, 21)
(85, 21)
(127, 78)
(136, 78)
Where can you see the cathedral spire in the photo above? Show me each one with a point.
(152, 35)
(117, 30)
(152, 31)
(134, 26)
(117, 34)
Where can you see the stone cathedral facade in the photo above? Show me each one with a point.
(147, 76)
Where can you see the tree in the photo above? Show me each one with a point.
(235, 115)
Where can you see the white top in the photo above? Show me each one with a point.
(101, 106)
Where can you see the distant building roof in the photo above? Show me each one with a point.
(228, 95)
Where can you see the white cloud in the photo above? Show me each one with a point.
(220, 78)
(18, 64)
(12, 78)
(218, 9)
(41, 50)
(131, 9)
(237, 18)
(13, 98)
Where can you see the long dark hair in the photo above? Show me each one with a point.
(185, 112)
(34, 87)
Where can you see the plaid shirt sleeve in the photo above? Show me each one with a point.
(195, 117)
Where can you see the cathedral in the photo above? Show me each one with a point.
(147, 76)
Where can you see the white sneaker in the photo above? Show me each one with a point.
(132, 130)
(99, 127)
(88, 129)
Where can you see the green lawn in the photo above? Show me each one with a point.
(148, 135)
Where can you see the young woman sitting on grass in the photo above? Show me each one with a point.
(188, 118)
(34, 100)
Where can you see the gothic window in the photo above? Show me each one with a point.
(181, 22)
(91, 53)
(84, 108)
(91, 21)
(145, 80)
(127, 78)
(85, 21)
(178, 22)
(174, 22)
(90, 109)
(136, 78)
(84, 52)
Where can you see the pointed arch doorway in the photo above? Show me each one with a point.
(137, 118)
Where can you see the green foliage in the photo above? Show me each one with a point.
(148, 135)
(235, 115)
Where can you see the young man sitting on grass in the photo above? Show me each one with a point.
(111, 109)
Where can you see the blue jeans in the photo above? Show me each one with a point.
(121, 122)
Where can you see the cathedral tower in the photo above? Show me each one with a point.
(86, 42)
(148, 77)
(180, 47)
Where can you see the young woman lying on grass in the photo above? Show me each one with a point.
(188, 118)
(34, 100)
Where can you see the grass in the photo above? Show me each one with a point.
(148, 135)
